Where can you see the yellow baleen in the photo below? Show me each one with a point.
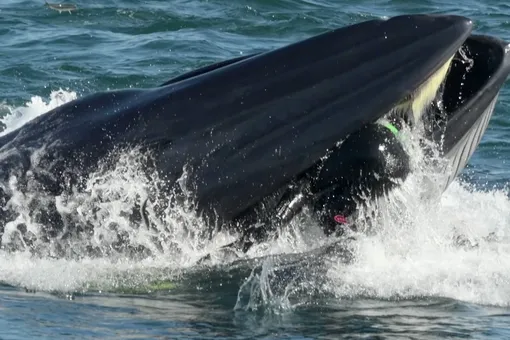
(415, 104)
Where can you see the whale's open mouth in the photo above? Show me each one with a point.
(454, 103)
(247, 127)
(457, 101)
(459, 114)
(445, 100)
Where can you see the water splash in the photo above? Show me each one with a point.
(414, 252)
(417, 242)
(422, 257)
(16, 117)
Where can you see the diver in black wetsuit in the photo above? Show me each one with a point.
(364, 166)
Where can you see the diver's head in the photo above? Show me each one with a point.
(365, 166)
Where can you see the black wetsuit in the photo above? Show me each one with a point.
(365, 165)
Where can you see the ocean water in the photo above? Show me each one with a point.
(407, 281)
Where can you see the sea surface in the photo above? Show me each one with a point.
(408, 281)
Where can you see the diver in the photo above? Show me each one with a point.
(366, 165)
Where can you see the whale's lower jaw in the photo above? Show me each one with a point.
(458, 156)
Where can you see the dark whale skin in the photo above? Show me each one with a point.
(248, 126)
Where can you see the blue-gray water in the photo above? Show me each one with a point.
(406, 283)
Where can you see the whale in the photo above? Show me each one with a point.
(247, 129)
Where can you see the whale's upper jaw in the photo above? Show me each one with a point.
(250, 126)
(452, 30)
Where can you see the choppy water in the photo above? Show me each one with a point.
(407, 281)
